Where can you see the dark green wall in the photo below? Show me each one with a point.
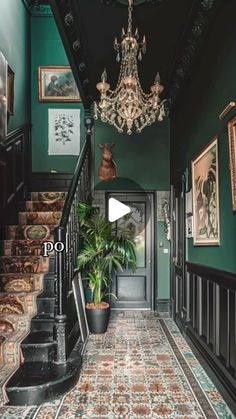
(141, 159)
(15, 44)
(47, 49)
(195, 121)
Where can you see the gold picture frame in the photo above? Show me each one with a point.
(205, 186)
(232, 158)
(3, 97)
(57, 84)
(10, 90)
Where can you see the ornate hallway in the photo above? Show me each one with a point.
(141, 368)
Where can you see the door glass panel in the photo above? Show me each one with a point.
(134, 224)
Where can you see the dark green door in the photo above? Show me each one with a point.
(134, 290)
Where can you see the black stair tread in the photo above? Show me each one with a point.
(38, 338)
(44, 316)
(46, 295)
(35, 374)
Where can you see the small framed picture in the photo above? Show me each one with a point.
(189, 227)
(3, 97)
(57, 84)
(10, 90)
(189, 202)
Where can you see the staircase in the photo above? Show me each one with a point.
(28, 374)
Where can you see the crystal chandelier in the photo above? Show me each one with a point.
(128, 107)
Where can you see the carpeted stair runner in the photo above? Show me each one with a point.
(22, 273)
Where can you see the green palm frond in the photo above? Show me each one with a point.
(104, 249)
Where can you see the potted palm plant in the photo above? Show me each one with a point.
(104, 248)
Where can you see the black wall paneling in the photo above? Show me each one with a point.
(49, 181)
(15, 171)
(211, 318)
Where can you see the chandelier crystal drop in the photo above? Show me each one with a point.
(128, 107)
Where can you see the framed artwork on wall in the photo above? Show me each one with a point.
(205, 186)
(3, 97)
(189, 202)
(57, 84)
(10, 90)
(189, 226)
(232, 157)
(63, 132)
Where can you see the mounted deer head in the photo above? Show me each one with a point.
(107, 169)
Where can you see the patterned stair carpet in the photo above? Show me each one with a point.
(141, 368)
(22, 270)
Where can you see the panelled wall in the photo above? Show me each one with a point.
(15, 45)
(15, 157)
(195, 121)
(204, 293)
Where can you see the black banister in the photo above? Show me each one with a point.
(74, 183)
(68, 234)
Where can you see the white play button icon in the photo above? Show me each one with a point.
(116, 209)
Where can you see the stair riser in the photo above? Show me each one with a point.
(40, 206)
(49, 285)
(36, 353)
(38, 218)
(52, 390)
(46, 306)
(42, 325)
(22, 248)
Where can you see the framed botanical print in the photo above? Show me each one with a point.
(205, 186)
(63, 132)
(232, 157)
(57, 84)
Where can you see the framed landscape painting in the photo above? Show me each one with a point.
(57, 84)
(232, 157)
(205, 184)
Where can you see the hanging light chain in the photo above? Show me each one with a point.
(130, 9)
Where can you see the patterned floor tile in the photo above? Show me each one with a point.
(144, 370)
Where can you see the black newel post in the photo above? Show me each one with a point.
(61, 317)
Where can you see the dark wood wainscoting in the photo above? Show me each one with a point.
(211, 318)
(48, 181)
(15, 171)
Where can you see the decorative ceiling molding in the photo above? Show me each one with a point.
(41, 10)
(66, 15)
(190, 46)
(37, 9)
(125, 2)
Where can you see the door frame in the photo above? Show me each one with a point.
(178, 274)
(153, 241)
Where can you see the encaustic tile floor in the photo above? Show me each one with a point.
(141, 368)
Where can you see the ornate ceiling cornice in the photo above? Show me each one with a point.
(36, 9)
(66, 14)
(190, 46)
(125, 2)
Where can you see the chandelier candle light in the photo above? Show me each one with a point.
(128, 107)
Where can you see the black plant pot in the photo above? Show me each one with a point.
(98, 319)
